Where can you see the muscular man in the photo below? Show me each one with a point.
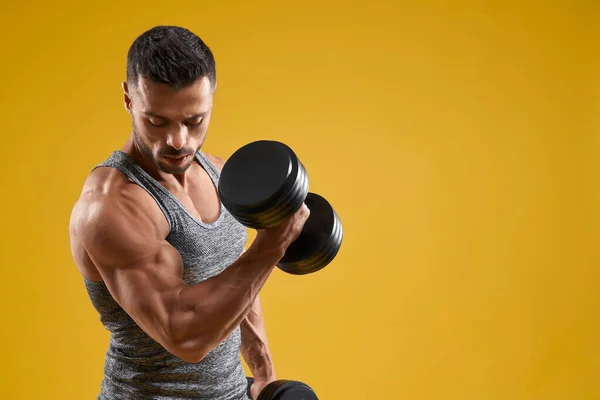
(162, 260)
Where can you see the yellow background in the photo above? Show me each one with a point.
(454, 139)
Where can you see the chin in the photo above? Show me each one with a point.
(172, 170)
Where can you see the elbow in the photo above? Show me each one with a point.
(184, 343)
(189, 352)
(192, 360)
(187, 348)
(193, 350)
(192, 336)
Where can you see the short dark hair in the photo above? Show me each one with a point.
(171, 55)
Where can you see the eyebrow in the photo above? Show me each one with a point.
(151, 114)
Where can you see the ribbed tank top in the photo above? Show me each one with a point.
(136, 366)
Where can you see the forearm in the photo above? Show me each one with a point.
(206, 313)
(255, 347)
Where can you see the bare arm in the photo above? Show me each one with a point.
(255, 347)
(144, 274)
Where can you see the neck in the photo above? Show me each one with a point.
(145, 162)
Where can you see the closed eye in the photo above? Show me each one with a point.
(193, 126)
(158, 125)
(196, 125)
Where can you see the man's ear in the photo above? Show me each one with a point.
(126, 97)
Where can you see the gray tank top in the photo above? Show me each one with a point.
(136, 366)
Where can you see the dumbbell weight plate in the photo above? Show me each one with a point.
(318, 243)
(287, 390)
(262, 184)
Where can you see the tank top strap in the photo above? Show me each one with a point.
(209, 167)
(136, 174)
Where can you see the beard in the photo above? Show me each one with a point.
(168, 169)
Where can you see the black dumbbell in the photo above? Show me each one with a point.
(287, 390)
(262, 184)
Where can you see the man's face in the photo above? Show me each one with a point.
(169, 125)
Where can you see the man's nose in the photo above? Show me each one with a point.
(177, 138)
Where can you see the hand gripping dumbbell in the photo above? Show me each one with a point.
(262, 184)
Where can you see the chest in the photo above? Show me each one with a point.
(207, 241)
(206, 249)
